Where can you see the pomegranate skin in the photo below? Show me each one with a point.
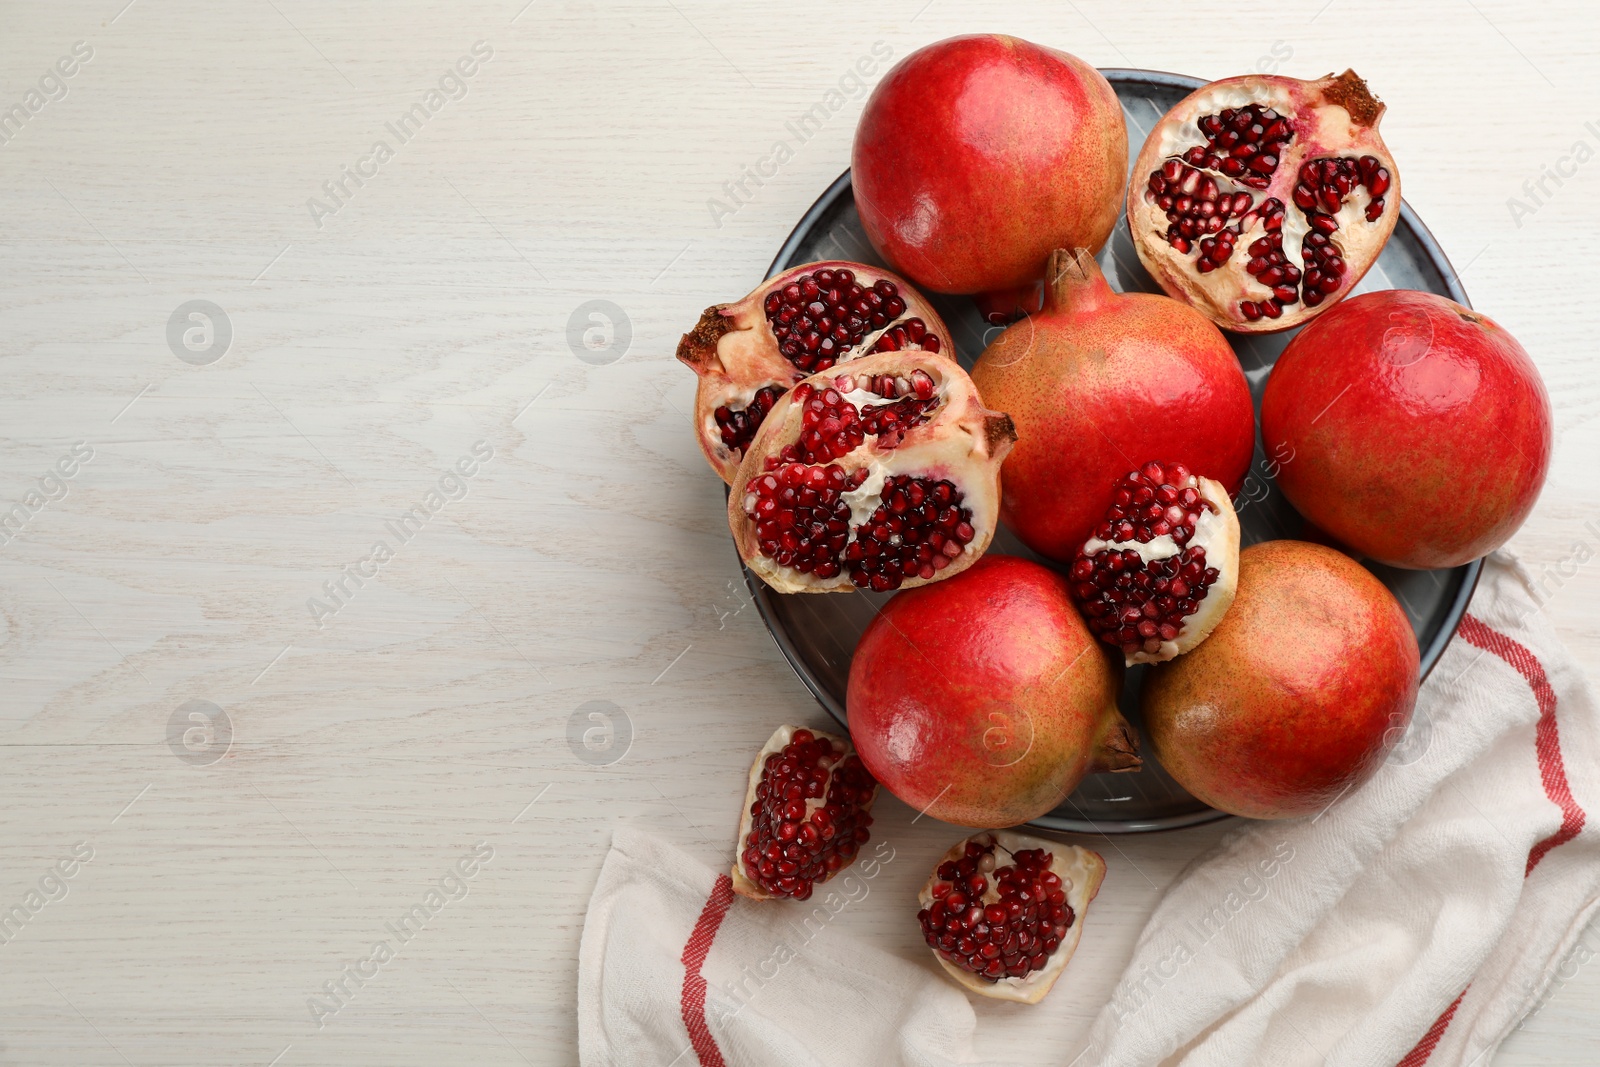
(1420, 430)
(1098, 383)
(983, 700)
(1298, 694)
(977, 155)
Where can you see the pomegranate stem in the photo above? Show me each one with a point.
(1073, 280)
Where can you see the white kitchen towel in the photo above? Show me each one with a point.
(676, 971)
(1416, 921)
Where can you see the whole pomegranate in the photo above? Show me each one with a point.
(984, 700)
(880, 473)
(749, 353)
(1099, 382)
(1296, 696)
(975, 156)
(1420, 430)
(1263, 200)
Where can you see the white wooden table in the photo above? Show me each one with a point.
(344, 756)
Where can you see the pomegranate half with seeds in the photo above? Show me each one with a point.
(878, 474)
(1160, 570)
(802, 321)
(1262, 200)
(1004, 912)
(806, 814)
(1098, 381)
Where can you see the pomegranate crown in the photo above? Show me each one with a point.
(1073, 276)
(1349, 90)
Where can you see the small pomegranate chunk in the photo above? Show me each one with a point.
(1003, 912)
(806, 814)
(879, 475)
(805, 320)
(1159, 572)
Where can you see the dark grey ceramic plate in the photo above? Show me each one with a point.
(818, 634)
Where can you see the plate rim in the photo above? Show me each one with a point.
(761, 594)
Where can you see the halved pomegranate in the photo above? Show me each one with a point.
(878, 475)
(1003, 912)
(1160, 571)
(1263, 200)
(805, 320)
(806, 814)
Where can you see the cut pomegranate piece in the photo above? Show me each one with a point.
(802, 321)
(880, 475)
(1263, 200)
(1003, 912)
(806, 814)
(1160, 570)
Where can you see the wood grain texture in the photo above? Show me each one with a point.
(587, 560)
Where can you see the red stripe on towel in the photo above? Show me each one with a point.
(1552, 774)
(693, 1003)
(1419, 1055)
(1547, 736)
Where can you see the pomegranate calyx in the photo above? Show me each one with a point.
(697, 349)
(1003, 912)
(1118, 748)
(1073, 279)
(806, 814)
(1349, 90)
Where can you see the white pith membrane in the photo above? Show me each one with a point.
(1216, 530)
(1081, 872)
(1322, 129)
(735, 353)
(742, 882)
(960, 442)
